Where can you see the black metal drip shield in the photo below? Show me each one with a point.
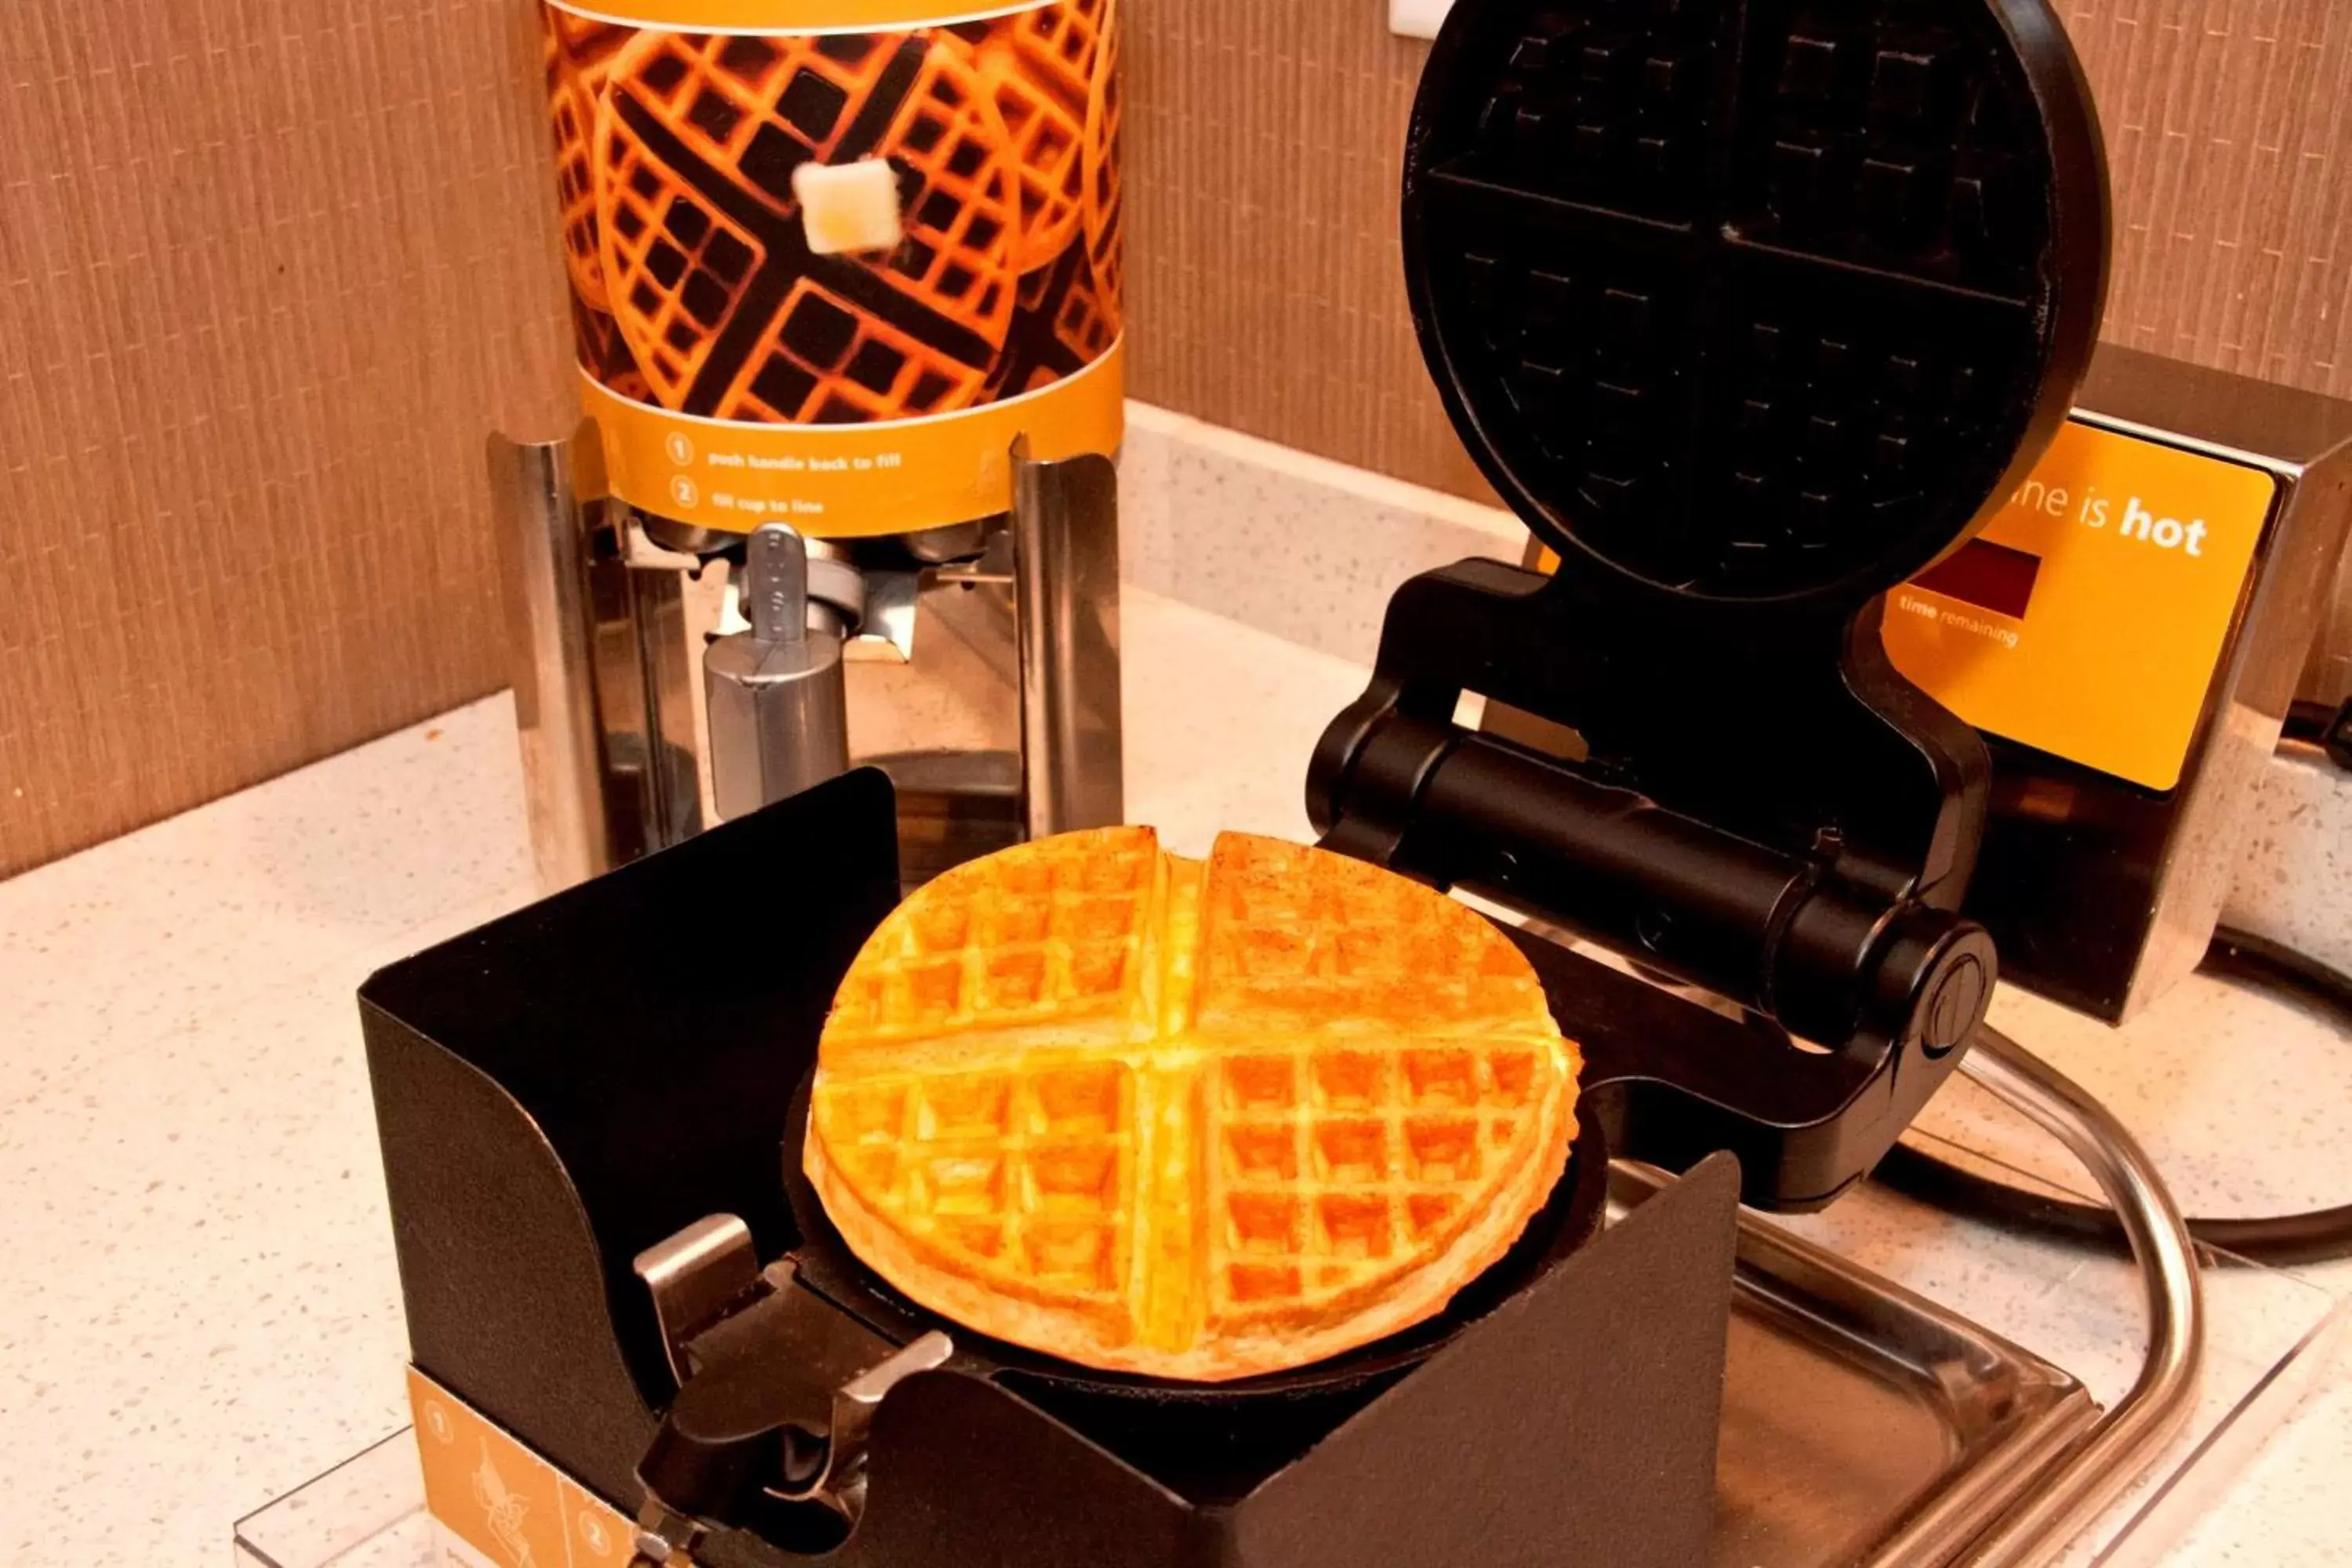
(1751, 312)
(556, 1092)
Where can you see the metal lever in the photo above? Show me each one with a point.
(779, 711)
(775, 1422)
(840, 1485)
(694, 1277)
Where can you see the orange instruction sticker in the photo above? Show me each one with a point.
(2088, 617)
(510, 1507)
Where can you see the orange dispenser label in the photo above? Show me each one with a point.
(2088, 617)
(743, 369)
(504, 1503)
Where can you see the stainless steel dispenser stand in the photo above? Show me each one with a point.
(607, 638)
(597, 649)
(1066, 570)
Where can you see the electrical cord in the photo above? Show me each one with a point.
(2330, 730)
(2322, 1235)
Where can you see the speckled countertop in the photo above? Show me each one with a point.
(201, 1309)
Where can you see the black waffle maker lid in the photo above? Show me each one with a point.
(1758, 301)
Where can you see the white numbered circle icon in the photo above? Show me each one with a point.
(681, 451)
(684, 490)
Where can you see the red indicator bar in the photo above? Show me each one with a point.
(1990, 576)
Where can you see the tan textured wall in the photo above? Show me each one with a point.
(269, 268)
(2229, 129)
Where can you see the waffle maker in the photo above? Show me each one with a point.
(1751, 312)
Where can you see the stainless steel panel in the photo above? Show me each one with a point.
(2304, 444)
(777, 710)
(945, 723)
(543, 559)
(1855, 1413)
(643, 679)
(1065, 548)
(954, 806)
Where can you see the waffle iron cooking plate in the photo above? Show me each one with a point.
(1761, 300)
(1751, 310)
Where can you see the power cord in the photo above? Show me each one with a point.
(2330, 730)
(2322, 1235)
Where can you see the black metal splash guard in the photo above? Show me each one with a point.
(569, 1085)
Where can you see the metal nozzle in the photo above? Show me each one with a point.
(779, 716)
(775, 586)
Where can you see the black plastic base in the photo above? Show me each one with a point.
(561, 1089)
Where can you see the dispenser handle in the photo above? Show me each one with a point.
(776, 694)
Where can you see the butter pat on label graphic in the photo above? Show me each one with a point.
(2087, 619)
(847, 208)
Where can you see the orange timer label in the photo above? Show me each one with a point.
(2087, 619)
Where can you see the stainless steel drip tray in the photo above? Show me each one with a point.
(1862, 1423)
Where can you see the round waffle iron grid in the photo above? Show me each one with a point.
(1747, 300)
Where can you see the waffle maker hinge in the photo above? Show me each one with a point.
(1751, 314)
(1762, 809)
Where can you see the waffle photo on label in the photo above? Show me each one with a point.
(579, 57)
(1187, 1119)
(682, 159)
(1066, 318)
(1040, 67)
(1105, 211)
(729, 313)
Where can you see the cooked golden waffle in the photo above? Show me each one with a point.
(1184, 1120)
(579, 57)
(708, 269)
